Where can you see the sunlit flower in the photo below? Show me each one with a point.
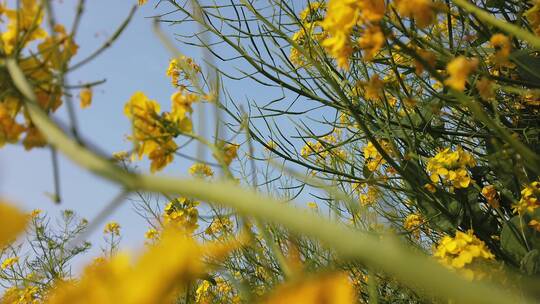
(459, 70)
(155, 277)
(13, 222)
(503, 47)
(112, 228)
(424, 12)
(450, 167)
(412, 222)
(9, 262)
(371, 41)
(181, 214)
(330, 288)
(529, 200)
(200, 170)
(461, 251)
(86, 97)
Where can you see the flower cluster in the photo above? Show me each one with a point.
(342, 17)
(154, 132)
(459, 70)
(310, 31)
(412, 222)
(373, 158)
(450, 167)
(503, 47)
(424, 12)
(462, 251)
(112, 228)
(182, 67)
(201, 170)
(322, 149)
(220, 225)
(9, 262)
(182, 214)
(529, 199)
(112, 280)
(41, 67)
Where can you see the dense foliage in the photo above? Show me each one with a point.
(394, 137)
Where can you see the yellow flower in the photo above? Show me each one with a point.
(313, 205)
(449, 167)
(307, 149)
(371, 41)
(373, 159)
(412, 222)
(485, 88)
(120, 155)
(272, 145)
(34, 138)
(181, 104)
(503, 47)
(162, 155)
(306, 37)
(529, 199)
(491, 195)
(181, 66)
(35, 213)
(156, 277)
(10, 130)
(151, 132)
(228, 152)
(312, 9)
(201, 293)
(200, 170)
(13, 222)
(142, 2)
(429, 57)
(86, 98)
(24, 26)
(57, 50)
(112, 228)
(143, 112)
(338, 22)
(15, 295)
(461, 251)
(459, 70)
(534, 224)
(151, 234)
(370, 196)
(424, 12)
(374, 89)
(9, 262)
(172, 71)
(220, 225)
(330, 288)
(181, 214)
(430, 187)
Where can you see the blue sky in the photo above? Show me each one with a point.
(136, 61)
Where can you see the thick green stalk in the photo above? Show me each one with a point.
(384, 254)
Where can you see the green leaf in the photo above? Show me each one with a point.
(530, 264)
(528, 66)
(495, 3)
(513, 233)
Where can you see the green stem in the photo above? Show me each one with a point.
(509, 28)
(385, 254)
